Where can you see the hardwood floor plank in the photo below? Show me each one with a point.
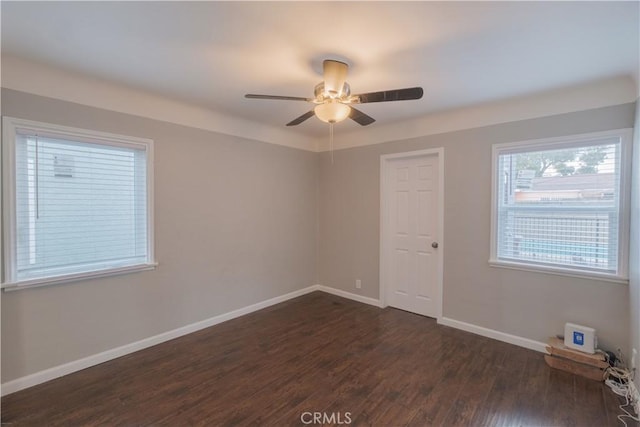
(501, 409)
(590, 403)
(452, 371)
(559, 399)
(531, 391)
(325, 354)
(477, 387)
(612, 405)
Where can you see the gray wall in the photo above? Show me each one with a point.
(634, 257)
(527, 304)
(235, 224)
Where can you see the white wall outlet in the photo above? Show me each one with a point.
(358, 284)
(634, 355)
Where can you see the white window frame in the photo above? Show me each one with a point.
(11, 127)
(625, 181)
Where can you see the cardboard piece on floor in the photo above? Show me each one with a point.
(557, 348)
(577, 368)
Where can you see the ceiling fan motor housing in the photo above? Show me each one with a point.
(321, 95)
(335, 76)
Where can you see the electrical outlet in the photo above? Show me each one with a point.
(358, 284)
(634, 355)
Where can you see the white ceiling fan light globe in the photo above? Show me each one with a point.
(332, 111)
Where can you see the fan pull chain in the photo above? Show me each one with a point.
(331, 141)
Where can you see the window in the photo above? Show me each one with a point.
(560, 205)
(77, 203)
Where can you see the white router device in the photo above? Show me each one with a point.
(580, 338)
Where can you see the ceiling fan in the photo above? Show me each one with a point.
(333, 100)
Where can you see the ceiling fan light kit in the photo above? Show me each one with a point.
(333, 100)
(332, 111)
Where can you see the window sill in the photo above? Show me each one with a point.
(559, 272)
(36, 283)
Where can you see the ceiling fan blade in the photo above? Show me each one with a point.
(282, 98)
(391, 95)
(301, 119)
(360, 117)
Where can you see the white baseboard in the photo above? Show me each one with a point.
(86, 362)
(349, 295)
(496, 335)
(469, 327)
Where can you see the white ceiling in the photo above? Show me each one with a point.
(212, 53)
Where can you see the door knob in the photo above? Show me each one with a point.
(434, 245)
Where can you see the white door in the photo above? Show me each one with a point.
(411, 253)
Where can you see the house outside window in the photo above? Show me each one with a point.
(561, 205)
(77, 203)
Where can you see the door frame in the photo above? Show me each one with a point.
(385, 160)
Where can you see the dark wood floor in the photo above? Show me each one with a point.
(320, 353)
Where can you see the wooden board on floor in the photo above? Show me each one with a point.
(576, 368)
(556, 347)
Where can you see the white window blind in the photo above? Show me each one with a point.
(79, 206)
(559, 205)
